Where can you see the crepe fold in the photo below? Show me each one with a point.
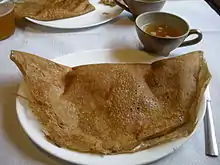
(115, 108)
(47, 10)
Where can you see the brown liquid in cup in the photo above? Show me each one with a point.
(161, 30)
(7, 20)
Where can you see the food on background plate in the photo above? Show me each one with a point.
(47, 10)
(114, 108)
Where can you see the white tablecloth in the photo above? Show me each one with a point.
(17, 149)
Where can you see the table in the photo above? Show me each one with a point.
(17, 149)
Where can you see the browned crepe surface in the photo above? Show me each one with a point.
(47, 10)
(115, 108)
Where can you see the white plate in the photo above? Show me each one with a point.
(32, 128)
(100, 15)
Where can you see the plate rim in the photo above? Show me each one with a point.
(39, 22)
(184, 139)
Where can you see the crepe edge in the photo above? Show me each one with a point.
(204, 79)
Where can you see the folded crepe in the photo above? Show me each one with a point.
(47, 10)
(115, 108)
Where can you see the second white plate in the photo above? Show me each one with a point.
(100, 15)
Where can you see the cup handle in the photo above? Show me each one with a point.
(195, 40)
(125, 7)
